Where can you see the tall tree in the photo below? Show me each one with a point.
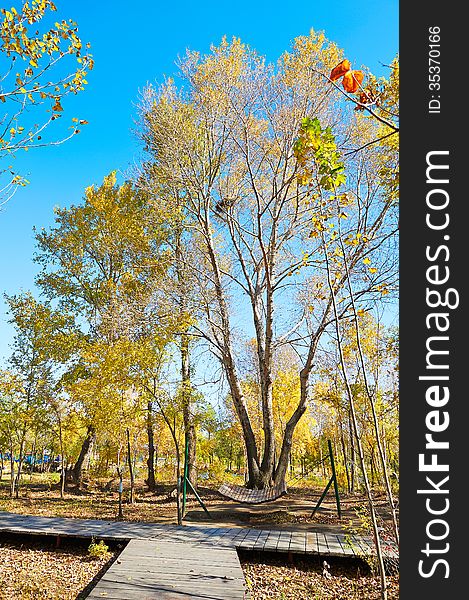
(41, 344)
(228, 142)
(103, 261)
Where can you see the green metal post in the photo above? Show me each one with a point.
(198, 498)
(334, 477)
(322, 497)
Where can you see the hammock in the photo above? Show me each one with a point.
(242, 494)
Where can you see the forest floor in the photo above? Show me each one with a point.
(37, 570)
(274, 578)
(268, 576)
(99, 500)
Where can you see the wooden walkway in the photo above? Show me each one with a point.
(190, 561)
(148, 569)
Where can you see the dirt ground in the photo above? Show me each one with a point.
(291, 511)
(272, 577)
(36, 570)
(268, 576)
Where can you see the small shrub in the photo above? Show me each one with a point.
(98, 550)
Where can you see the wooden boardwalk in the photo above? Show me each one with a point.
(148, 569)
(190, 561)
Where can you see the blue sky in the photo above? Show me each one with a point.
(134, 43)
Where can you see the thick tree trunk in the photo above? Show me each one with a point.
(285, 452)
(87, 446)
(222, 338)
(254, 479)
(150, 480)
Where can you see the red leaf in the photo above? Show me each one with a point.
(340, 70)
(352, 81)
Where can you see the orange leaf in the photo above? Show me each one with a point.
(352, 81)
(364, 98)
(340, 70)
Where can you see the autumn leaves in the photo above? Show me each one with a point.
(351, 80)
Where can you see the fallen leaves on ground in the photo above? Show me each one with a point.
(37, 571)
(275, 579)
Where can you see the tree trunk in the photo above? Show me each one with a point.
(344, 454)
(352, 456)
(42, 453)
(188, 416)
(227, 358)
(321, 458)
(150, 480)
(62, 458)
(180, 516)
(12, 471)
(20, 464)
(187, 412)
(87, 446)
(120, 474)
(63, 473)
(131, 468)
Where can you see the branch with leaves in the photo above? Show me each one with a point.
(41, 63)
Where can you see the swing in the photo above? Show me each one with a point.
(239, 493)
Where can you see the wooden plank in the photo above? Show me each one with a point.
(228, 539)
(360, 546)
(368, 543)
(391, 550)
(271, 542)
(323, 548)
(210, 535)
(283, 544)
(344, 541)
(261, 540)
(311, 543)
(215, 538)
(151, 591)
(335, 547)
(238, 539)
(297, 542)
(250, 540)
(166, 556)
